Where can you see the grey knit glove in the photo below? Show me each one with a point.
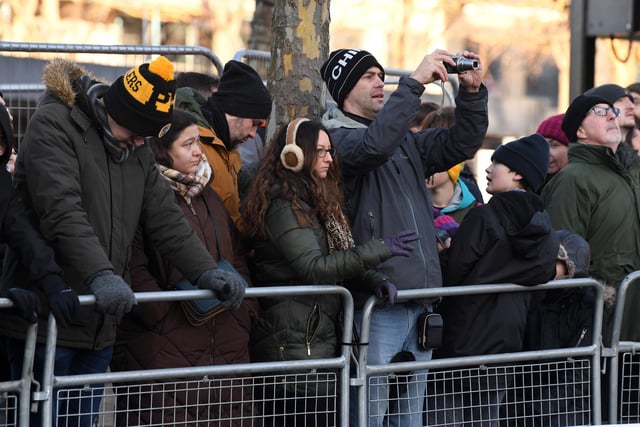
(113, 295)
(227, 286)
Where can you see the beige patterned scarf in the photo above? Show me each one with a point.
(338, 233)
(188, 186)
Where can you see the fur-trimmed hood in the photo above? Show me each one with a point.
(60, 77)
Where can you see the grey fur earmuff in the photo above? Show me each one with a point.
(291, 155)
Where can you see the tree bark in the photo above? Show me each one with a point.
(299, 46)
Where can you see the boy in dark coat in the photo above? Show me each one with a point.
(508, 240)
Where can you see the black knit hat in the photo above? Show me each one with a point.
(528, 156)
(142, 99)
(241, 92)
(611, 92)
(577, 111)
(343, 69)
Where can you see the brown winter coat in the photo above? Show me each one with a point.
(159, 336)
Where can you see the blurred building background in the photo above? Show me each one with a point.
(524, 44)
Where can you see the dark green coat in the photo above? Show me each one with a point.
(89, 206)
(596, 197)
(295, 328)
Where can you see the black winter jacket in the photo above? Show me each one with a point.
(508, 240)
(384, 165)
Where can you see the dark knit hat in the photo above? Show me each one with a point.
(241, 92)
(343, 69)
(551, 127)
(142, 99)
(528, 156)
(577, 111)
(633, 87)
(610, 92)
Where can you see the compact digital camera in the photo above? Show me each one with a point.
(462, 64)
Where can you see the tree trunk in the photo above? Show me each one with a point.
(260, 38)
(299, 46)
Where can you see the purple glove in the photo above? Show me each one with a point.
(400, 244)
(387, 289)
(446, 223)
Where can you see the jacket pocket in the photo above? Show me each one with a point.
(313, 323)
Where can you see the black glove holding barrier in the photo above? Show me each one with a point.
(387, 289)
(63, 301)
(25, 302)
(400, 244)
(227, 286)
(113, 295)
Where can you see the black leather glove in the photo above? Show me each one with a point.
(113, 295)
(400, 244)
(25, 302)
(63, 301)
(227, 286)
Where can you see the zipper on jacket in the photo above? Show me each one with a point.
(312, 326)
(582, 334)
(395, 165)
(372, 223)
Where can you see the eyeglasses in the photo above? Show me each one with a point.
(322, 152)
(135, 140)
(603, 111)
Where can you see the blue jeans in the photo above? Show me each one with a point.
(393, 329)
(81, 408)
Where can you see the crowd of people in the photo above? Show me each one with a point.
(142, 185)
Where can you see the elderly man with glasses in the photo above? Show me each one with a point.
(597, 197)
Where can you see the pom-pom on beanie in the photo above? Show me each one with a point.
(343, 69)
(142, 100)
(528, 156)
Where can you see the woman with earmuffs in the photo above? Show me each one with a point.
(293, 214)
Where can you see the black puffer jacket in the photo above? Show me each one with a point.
(18, 228)
(508, 240)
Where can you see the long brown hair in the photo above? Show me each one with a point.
(309, 194)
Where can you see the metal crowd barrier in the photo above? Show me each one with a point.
(555, 387)
(251, 386)
(15, 399)
(624, 372)
(22, 63)
(547, 387)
